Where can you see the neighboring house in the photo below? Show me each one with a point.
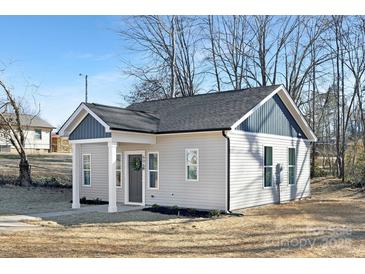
(60, 144)
(37, 132)
(222, 151)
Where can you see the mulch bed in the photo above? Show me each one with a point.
(188, 212)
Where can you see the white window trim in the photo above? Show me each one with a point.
(82, 163)
(295, 166)
(121, 171)
(263, 167)
(197, 165)
(35, 134)
(158, 170)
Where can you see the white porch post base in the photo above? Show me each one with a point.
(75, 177)
(112, 158)
(75, 205)
(112, 209)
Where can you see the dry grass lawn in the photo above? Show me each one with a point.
(45, 167)
(22, 200)
(330, 224)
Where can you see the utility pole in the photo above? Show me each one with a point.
(85, 86)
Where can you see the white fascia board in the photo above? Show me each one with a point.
(133, 137)
(291, 106)
(90, 141)
(97, 118)
(294, 110)
(66, 128)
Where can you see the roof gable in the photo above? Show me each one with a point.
(272, 118)
(89, 128)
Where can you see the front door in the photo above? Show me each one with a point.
(135, 169)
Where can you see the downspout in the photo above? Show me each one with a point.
(228, 171)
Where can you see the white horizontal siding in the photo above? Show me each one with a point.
(208, 193)
(246, 178)
(31, 142)
(99, 171)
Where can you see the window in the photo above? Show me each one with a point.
(291, 165)
(38, 134)
(118, 168)
(267, 166)
(153, 169)
(86, 169)
(192, 164)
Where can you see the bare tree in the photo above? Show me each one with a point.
(299, 61)
(12, 129)
(228, 51)
(355, 62)
(168, 47)
(213, 37)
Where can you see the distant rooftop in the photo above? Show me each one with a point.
(27, 120)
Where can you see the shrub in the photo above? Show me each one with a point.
(51, 182)
(319, 172)
(8, 180)
(96, 201)
(356, 172)
(214, 213)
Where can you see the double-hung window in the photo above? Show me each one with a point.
(118, 168)
(38, 134)
(86, 169)
(291, 166)
(153, 178)
(192, 164)
(268, 166)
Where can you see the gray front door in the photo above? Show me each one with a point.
(135, 178)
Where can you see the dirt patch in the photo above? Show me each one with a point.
(330, 224)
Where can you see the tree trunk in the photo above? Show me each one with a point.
(211, 33)
(343, 117)
(313, 163)
(338, 77)
(173, 58)
(25, 178)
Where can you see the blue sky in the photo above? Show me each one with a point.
(43, 56)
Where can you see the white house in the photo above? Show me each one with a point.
(224, 151)
(37, 135)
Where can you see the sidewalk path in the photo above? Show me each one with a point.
(11, 223)
(87, 209)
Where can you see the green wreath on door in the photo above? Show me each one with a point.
(137, 164)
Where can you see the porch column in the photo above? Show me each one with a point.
(75, 176)
(112, 158)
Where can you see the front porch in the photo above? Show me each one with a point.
(89, 209)
(115, 180)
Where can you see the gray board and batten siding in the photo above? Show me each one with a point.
(272, 118)
(89, 128)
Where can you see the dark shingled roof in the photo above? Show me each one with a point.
(125, 119)
(212, 111)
